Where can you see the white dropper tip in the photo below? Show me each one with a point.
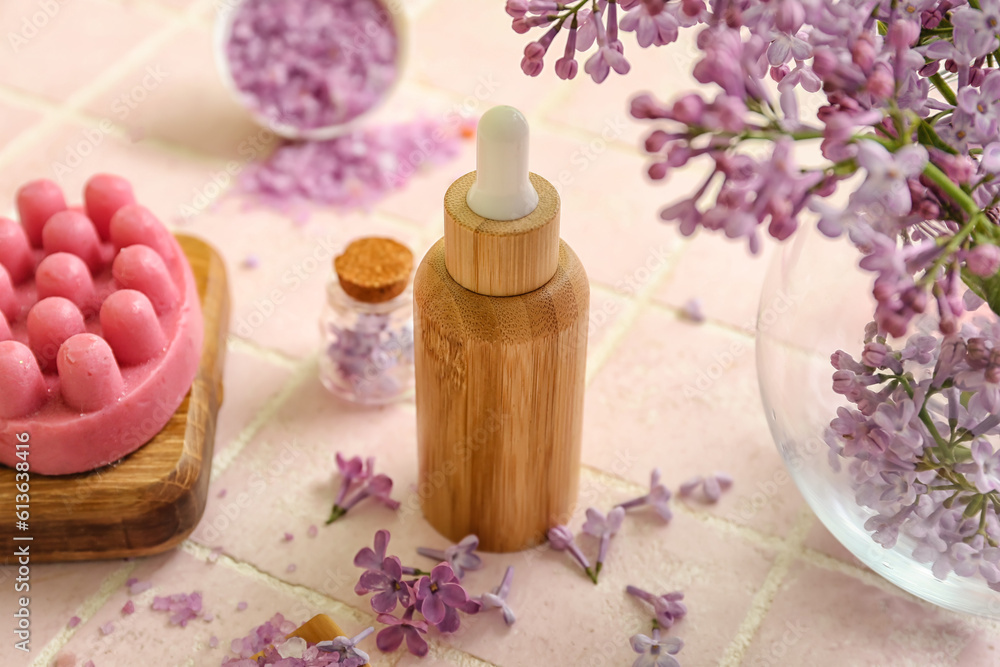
(502, 190)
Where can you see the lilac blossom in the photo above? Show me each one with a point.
(498, 598)
(391, 637)
(461, 556)
(376, 487)
(439, 598)
(658, 498)
(603, 528)
(921, 448)
(667, 607)
(712, 486)
(561, 539)
(372, 559)
(930, 164)
(388, 582)
(656, 651)
(349, 655)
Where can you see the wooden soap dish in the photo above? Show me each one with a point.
(151, 500)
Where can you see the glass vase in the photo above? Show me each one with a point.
(816, 300)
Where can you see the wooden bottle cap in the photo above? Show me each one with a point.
(501, 258)
(374, 269)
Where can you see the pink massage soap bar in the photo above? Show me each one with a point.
(100, 327)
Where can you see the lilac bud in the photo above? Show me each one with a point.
(531, 66)
(658, 171)
(679, 155)
(881, 84)
(983, 260)
(519, 25)
(542, 6)
(534, 51)
(692, 8)
(863, 52)
(656, 141)
(790, 16)
(903, 34)
(779, 73)
(930, 69)
(958, 168)
(517, 8)
(824, 62)
(874, 354)
(644, 107)
(689, 109)
(566, 68)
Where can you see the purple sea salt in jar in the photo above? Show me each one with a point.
(367, 325)
(311, 69)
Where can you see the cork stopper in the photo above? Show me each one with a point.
(374, 269)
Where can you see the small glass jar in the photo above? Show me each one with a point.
(367, 354)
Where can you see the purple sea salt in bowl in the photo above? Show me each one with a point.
(311, 69)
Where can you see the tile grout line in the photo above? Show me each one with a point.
(311, 597)
(573, 133)
(305, 371)
(85, 612)
(713, 521)
(763, 599)
(711, 321)
(236, 343)
(300, 592)
(630, 315)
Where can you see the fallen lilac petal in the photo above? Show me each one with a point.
(693, 310)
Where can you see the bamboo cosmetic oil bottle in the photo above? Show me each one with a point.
(500, 345)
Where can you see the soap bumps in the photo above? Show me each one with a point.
(100, 325)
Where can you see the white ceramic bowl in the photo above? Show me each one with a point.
(227, 11)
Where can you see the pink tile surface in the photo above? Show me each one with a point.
(709, 261)
(662, 387)
(149, 633)
(97, 34)
(663, 392)
(176, 95)
(14, 120)
(827, 618)
(250, 382)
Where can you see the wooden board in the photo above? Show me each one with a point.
(152, 499)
